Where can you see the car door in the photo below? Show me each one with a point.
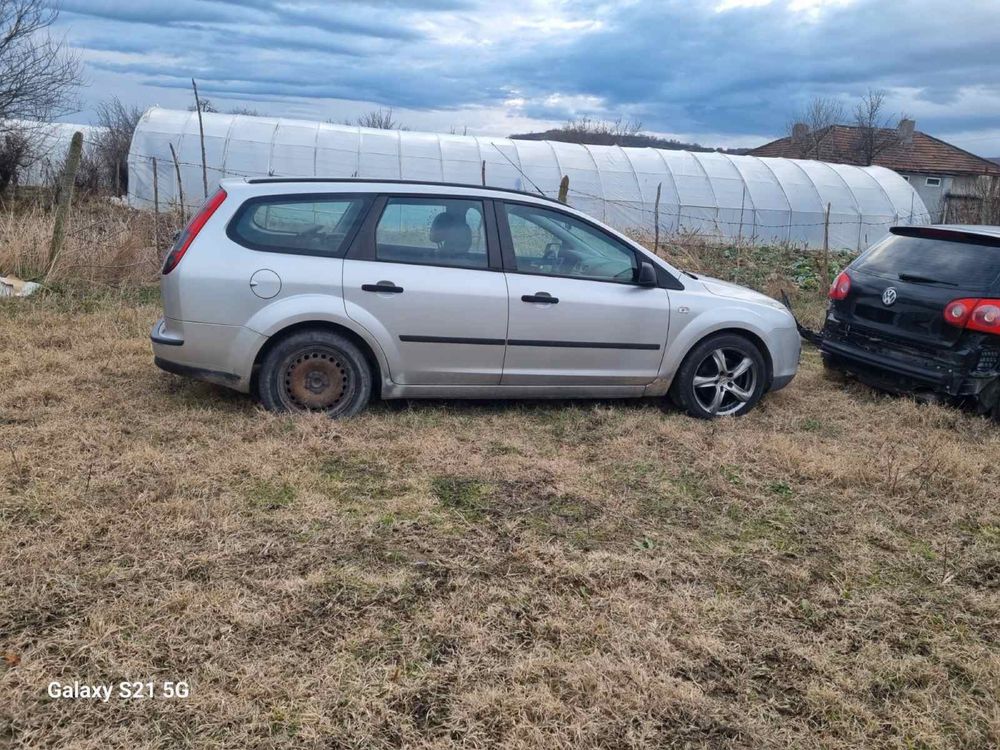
(577, 314)
(424, 277)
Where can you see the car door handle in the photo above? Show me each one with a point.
(382, 286)
(543, 297)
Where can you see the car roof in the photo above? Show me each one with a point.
(395, 185)
(979, 234)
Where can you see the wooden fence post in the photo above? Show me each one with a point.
(484, 172)
(180, 187)
(743, 205)
(156, 208)
(66, 182)
(656, 220)
(201, 135)
(826, 247)
(564, 189)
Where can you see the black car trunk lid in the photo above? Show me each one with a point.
(906, 312)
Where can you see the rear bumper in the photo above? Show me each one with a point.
(205, 351)
(894, 373)
(197, 373)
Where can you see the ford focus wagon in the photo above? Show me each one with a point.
(313, 294)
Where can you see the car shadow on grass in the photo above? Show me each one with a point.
(195, 393)
(537, 406)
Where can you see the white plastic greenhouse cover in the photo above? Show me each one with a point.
(720, 195)
(49, 146)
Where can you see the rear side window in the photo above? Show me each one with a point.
(965, 266)
(432, 231)
(307, 225)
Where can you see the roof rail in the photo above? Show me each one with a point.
(349, 180)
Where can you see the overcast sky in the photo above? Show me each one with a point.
(720, 72)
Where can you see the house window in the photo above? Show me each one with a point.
(933, 182)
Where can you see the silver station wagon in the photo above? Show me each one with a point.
(312, 293)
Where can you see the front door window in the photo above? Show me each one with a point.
(557, 244)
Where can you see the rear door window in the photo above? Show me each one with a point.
(307, 225)
(432, 231)
(958, 264)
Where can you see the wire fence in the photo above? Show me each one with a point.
(740, 223)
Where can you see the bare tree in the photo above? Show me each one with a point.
(111, 152)
(38, 81)
(876, 131)
(603, 132)
(207, 105)
(250, 111)
(15, 155)
(378, 118)
(38, 74)
(818, 118)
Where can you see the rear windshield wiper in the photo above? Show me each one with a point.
(924, 279)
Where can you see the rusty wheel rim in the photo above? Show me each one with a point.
(316, 380)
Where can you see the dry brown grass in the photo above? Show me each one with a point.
(105, 243)
(822, 573)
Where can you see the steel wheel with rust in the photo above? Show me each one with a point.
(317, 371)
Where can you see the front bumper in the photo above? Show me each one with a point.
(786, 349)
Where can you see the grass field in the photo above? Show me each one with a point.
(822, 573)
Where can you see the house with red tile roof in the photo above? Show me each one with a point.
(955, 185)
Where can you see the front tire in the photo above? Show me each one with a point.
(315, 371)
(723, 376)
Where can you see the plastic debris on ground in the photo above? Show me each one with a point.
(11, 286)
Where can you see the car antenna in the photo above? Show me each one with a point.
(540, 191)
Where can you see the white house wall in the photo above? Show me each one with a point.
(720, 195)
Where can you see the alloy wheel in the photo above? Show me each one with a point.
(725, 381)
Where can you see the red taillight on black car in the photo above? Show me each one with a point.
(974, 314)
(841, 287)
(186, 237)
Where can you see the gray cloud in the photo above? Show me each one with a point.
(678, 66)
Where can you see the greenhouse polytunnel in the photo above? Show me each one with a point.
(48, 147)
(718, 195)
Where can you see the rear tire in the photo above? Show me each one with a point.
(724, 375)
(315, 371)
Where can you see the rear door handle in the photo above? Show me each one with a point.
(543, 297)
(382, 286)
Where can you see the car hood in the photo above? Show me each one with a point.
(722, 288)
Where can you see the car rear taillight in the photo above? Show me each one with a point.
(974, 314)
(840, 287)
(187, 235)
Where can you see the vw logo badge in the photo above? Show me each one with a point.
(889, 297)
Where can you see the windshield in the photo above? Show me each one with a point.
(971, 267)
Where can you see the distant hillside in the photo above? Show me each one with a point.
(603, 137)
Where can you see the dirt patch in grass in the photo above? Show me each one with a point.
(823, 573)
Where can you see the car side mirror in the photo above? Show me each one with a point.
(647, 275)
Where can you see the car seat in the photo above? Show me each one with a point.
(451, 234)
